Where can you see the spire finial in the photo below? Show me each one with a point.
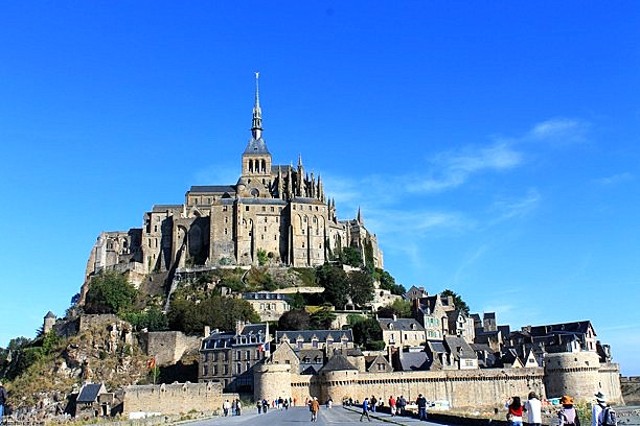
(256, 124)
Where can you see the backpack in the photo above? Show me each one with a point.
(609, 417)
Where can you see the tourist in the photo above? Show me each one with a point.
(421, 402)
(265, 405)
(314, 407)
(392, 406)
(259, 407)
(597, 409)
(226, 406)
(514, 411)
(329, 402)
(568, 416)
(238, 407)
(374, 402)
(401, 403)
(3, 400)
(365, 409)
(533, 407)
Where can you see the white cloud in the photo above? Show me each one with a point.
(615, 179)
(559, 131)
(505, 209)
(452, 169)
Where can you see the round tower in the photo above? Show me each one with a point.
(574, 373)
(271, 379)
(49, 321)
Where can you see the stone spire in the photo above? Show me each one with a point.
(359, 216)
(256, 123)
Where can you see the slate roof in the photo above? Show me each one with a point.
(579, 327)
(89, 392)
(437, 346)
(402, 324)
(459, 348)
(164, 207)
(251, 335)
(412, 361)
(338, 363)
(307, 335)
(272, 201)
(256, 146)
(218, 189)
(264, 296)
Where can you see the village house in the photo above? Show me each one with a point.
(269, 306)
(229, 357)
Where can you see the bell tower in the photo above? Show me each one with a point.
(256, 159)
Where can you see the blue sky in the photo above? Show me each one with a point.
(492, 146)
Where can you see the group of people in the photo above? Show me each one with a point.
(234, 408)
(601, 413)
(396, 406)
(279, 403)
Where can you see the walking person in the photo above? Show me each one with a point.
(421, 402)
(374, 402)
(3, 401)
(259, 407)
(365, 409)
(568, 416)
(226, 406)
(533, 408)
(238, 407)
(392, 406)
(314, 407)
(514, 411)
(401, 403)
(597, 409)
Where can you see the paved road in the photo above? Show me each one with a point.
(296, 415)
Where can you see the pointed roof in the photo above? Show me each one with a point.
(90, 392)
(257, 145)
(338, 363)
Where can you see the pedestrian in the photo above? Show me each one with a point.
(374, 402)
(597, 409)
(238, 407)
(3, 401)
(265, 405)
(365, 409)
(233, 407)
(568, 416)
(392, 406)
(401, 403)
(329, 402)
(514, 411)
(421, 402)
(314, 407)
(533, 407)
(259, 407)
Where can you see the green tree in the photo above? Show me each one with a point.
(367, 332)
(296, 300)
(334, 280)
(322, 318)
(361, 287)
(457, 300)
(153, 319)
(296, 319)
(263, 259)
(214, 311)
(351, 256)
(399, 307)
(109, 293)
(387, 282)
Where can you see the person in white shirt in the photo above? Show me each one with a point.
(598, 408)
(533, 407)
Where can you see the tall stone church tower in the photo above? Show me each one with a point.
(277, 212)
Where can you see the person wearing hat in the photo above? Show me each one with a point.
(598, 408)
(568, 416)
(533, 407)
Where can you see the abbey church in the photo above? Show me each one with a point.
(276, 213)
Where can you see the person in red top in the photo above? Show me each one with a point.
(515, 410)
(392, 405)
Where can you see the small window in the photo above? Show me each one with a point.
(246, 208)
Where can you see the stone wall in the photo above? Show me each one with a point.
(174, 398)
(461, 388)
(168, 346)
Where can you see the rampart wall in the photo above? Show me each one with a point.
(174, 398)
(168, 346)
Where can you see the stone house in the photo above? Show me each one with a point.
(93, 400)
(269, 306)
(402, 332)
(229, 357)
(316, 339)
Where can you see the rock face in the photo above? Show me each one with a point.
(630, 390)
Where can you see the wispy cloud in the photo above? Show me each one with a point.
(559, 131)
(451, 169)
(505, 209)
(615, 179)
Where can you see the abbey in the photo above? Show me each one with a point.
(274, 213)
